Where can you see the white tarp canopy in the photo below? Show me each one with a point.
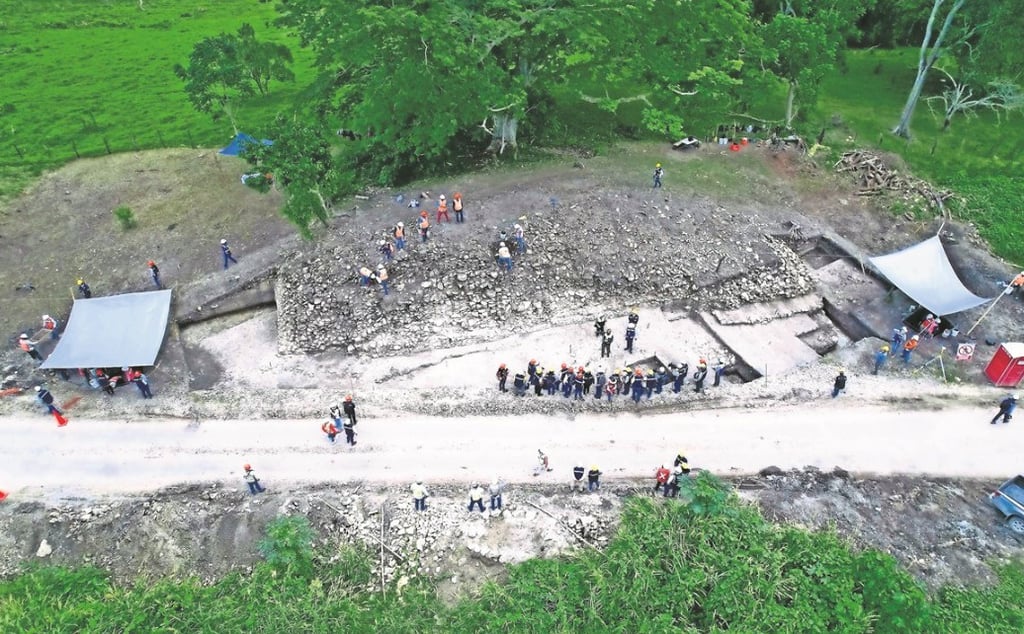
(113, 332)
(924, 273)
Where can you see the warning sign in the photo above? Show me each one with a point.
(964, 352)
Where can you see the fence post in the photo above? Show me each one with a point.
(106, 145)
(74, 147)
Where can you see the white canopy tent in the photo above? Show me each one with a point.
(113, 332)
(924, 273)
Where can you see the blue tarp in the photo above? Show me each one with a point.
(239, 142)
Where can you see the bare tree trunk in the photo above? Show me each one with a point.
(926, 59)
(790, 96)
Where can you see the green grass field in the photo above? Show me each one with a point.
(980, 158)
(84, 75)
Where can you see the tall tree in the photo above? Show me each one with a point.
(214, 76)
(932, 46)
(225, 67)
(263, 61)
(302, 162)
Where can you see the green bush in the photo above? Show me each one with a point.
(125, 218)
(288, 546)
(708, 563)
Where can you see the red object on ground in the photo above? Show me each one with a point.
(735, 147)
(1006, 369)
(744, 141)
(3, 496)
(61, 421)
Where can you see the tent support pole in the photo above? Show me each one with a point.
(987, 311)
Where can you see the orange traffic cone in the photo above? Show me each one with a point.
(3, 496)
(61, 421)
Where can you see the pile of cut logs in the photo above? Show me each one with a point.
(877, 178)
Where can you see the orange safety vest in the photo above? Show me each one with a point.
(399, 232)
(382, 275)
(25, 345)
(424, 223)
(442, 206)
(49, 324)
(910, 345)
(1018, 281)
(457, 202)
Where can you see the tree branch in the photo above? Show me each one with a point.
(621, 100)
(688, 93)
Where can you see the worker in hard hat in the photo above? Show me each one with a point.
(84, 289)
(658, 173)
(881, 357)
(250, 478)
(226, 252)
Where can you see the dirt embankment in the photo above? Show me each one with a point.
(942, 530)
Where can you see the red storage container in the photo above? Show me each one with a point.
(1006, 369)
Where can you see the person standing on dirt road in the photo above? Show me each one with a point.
(577, 478)
(600, 380)
(30, 348)
(594, 479)
(599, 328)
(457, 208)
(399, 232)
(476, 497)
(899, 336)
(520, 237)
(839, 385)
(419, 496)
(226, 252)
(84, 289)
(442, 209)
(251, 479)
(719, 370)
(154, 273)
(1006, 408)
(44, 396)
(661, 477)
(909, 347)
(350, 432)
(386, 250)
(504, 257)
(495, 490)
(606, 343)
(424, 226)
(350, 409)
(699, 375)
(543, 465)
(329, 429)
(519, 384)
(141, 381)
(382, 279)
(502, 376)
(880, 358)
(658, 173)
(679, 377)
(630, 336)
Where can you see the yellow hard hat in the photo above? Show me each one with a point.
(657, 165)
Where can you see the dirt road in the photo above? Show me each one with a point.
(38, 459)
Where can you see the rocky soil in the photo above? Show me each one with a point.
(941, 529)
(593, 249)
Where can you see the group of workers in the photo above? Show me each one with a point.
(636, 383)
(336, 424)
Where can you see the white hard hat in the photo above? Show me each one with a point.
(518, 226)
(401, 225)
(381, 243)
(23, 336)
(501, 244)
(223, 241)
(442, 198)
(39, 388)
(46, 317)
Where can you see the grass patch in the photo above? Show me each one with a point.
(707, 564)
(980, 158)
(92, 77)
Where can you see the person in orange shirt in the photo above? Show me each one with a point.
(424, 226)
(909, 347)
